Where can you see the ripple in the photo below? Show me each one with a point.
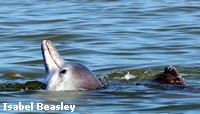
(111, 37)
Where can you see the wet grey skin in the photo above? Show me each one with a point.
(66, 75)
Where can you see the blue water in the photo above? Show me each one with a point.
(109, 37)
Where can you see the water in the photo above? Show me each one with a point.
(110, 37)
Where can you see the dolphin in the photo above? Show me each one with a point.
(66, 75)
(170, 75)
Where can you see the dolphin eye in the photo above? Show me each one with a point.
(63, 71)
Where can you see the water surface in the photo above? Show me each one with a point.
(110, 37)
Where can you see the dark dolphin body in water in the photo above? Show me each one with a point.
(170, 76)
(171, 79)
(66, 75)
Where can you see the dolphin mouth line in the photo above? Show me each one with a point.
(51, 55)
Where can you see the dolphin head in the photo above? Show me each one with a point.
(66, 75)
(171, 76)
